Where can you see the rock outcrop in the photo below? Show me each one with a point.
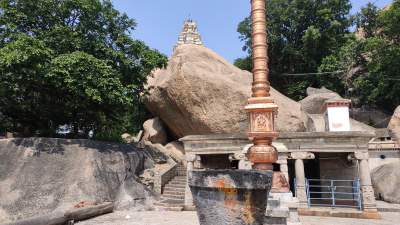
(39, 176)
(154, 131)
(201, 93)
(386, 182)
(394, 125)
(313, 106)
(314, 102)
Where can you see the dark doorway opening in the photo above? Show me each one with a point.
(218, 162)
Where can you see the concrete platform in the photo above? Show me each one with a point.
(190, 218)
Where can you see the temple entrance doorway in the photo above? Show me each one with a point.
(311, 170)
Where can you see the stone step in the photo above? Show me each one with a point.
(170, 202)
(169, 188)
(174, 186)
(173, 197)
(174, 192)
(169, 208)
(278, 212)
(177, 183)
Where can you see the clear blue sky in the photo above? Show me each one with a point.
(160, 21)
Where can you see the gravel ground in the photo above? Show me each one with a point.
(190, 218)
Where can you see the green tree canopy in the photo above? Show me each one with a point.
(301, 34)
(372, 61)
(70, 62)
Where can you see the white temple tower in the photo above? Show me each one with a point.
(189, 34)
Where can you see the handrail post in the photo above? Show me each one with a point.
(333, 194)
(308, 193)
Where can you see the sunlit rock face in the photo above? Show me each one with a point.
(394, 125)
(201, 93)
(40, 176)
(386, 182)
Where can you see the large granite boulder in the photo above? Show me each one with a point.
(314, 102)
(201, 93)
(394, 124)
(386, 182)
(39, 176)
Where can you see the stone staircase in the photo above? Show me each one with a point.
(173, 196)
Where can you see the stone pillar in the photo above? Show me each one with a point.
(283, 164)
(300, 176)
(368, 195)
(244, 162)
(190, 159)
(197, 162)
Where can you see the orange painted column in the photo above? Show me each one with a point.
(261, 107)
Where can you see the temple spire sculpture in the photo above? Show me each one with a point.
(189, 34)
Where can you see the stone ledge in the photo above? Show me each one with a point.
(344, 213)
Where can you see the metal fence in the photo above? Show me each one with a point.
(334, 193)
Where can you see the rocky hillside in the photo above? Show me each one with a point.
(44, 175)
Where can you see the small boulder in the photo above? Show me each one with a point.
(394, 125)
(314, 102)
(127, 138)
(386, 182)
(154, 131)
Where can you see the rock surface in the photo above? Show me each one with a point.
(394, 124)
(40, 176)
(314, 102)
(154, 131)
(177, 151)
(313, 106)
(172, 150)
(201, 93)
(314, 91)
(386, 182)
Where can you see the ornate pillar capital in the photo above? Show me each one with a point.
(361, 155)
(302, 155)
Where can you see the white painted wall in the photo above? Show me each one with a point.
(338, 119)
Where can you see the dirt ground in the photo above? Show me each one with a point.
(190, 218)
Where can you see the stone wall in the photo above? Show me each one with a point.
(336, 166)
(379, 158)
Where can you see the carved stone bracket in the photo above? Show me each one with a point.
(361, 155)
(302, 155)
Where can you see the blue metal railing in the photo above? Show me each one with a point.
(333, 193)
